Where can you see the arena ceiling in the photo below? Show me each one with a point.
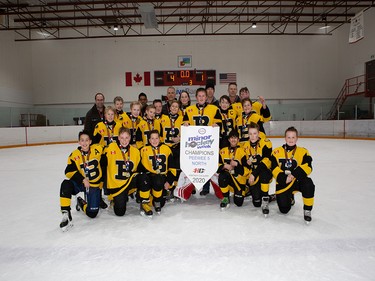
(72, 19)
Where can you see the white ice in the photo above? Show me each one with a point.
(193, 240)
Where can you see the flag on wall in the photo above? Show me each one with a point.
(225, 78)
(357, 31)
(138, 79)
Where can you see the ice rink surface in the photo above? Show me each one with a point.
(193, 240)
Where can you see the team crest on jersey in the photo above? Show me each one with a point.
(101, 131)
(113, 152)
(76, 158)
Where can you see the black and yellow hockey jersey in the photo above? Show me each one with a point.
(131, 123)
(144, 129)
(122, 166)
(202, 116)
(85, 165)
(241, 172)
(229, 117)
(171, 125)
(257, 107)
(157, 160)
(119, 116)
(243, 121)
(290, 160)
(258, 155)
(105, 133)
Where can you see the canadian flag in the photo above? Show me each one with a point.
(138, 78)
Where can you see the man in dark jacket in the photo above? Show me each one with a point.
(95, 114)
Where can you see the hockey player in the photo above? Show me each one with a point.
(233, 171)
(291, 167)
(118, 103)
(146, 125)
(84, 174)
(107, 131)
(229, 118)
(202, 114)
(171, 125)
(259, 106)
(131, 120)
(258, 153)
(243, 121)
(159, 169)
(122, 161)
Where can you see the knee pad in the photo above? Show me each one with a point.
(257, 203)
(224, 179)
(119, 211)
(238, 200)
(92, 214)
(66, 189)
(284, 210)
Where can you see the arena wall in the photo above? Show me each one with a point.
(62, 134)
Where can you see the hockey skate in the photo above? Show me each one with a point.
(66, 221)
(265, 208)
(224, 204)
(80, 203)
(146, 209)
(157, 207)
(307, 216)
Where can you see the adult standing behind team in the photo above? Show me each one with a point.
(95, 114)
(171, 96)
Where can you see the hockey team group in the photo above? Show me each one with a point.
(135, 155)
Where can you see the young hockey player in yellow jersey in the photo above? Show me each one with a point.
(158, 169)
(243, 121)
(229, 117)
(202, 114)
(122, 161)
(291, 167)
(84, 174)
(259, 106)
(171, 125)
(118, 104)
(233, 171)
(147, 124)
(131, 120)
(258, 152)
(107, 131)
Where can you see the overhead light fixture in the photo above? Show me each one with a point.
(115, 27)
(325, 27)
(254, 25)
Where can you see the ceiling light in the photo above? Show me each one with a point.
(254, 25)
(115, 28)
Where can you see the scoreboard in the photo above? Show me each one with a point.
(184, 77)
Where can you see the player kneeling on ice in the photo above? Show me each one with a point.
(121, 161)
(84, 174)
(258, 153)
(158, 168)
(233, 171)
(291, 167)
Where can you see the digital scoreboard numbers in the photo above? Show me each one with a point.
(184, 77)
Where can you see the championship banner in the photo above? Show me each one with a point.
(357, 31)
(199, 153)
